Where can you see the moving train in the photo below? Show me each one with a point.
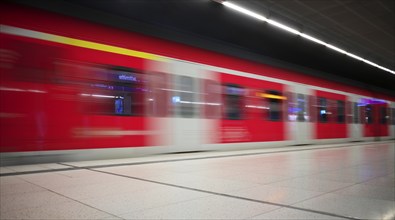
(77, 89)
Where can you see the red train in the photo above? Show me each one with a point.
(71, 87)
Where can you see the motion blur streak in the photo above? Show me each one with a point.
(76, 42)
(62, 96)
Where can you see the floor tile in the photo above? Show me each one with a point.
(356, 207)
(10, 180)
(386, 181)
(216, 185)
(74, 178)
(26, 168)
(261, 178)
(141, 200)
(311, 183)
(275, 194)
(213, 207)
(18, 188)
(104, 189)
(68, 210)
(288, 213)
(15, 202)
(368, 191)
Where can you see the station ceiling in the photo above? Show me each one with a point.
(363, 27)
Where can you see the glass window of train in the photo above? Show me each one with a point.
(301, 108)
(157, 95)
(128, 87)
(212, 99)
(312, 108)
(383, 115)
(292, 106)
(115, 91)
(322, 110)
(362, 114)
(393, 116)
(105, 100)
(355, 113)
(275, 105)
(369, 114)
(233, 102)
(185, 97)
(349, 118)
(340, 111)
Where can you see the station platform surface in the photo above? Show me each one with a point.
(342, 181)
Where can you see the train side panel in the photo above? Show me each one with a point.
(78, 87)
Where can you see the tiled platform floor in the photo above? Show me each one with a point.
(349, 181)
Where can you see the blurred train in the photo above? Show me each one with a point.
(77, 89)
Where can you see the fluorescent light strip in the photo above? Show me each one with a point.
(244, 11)
(284, 27)
(330, 46)
(294, 31)
(308, 37)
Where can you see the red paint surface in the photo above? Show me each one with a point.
(376, 128)
(254, 125)
(62, 25)
(48, 121)
(331, 128)
(53, 119)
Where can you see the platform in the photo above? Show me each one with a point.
(343, 181)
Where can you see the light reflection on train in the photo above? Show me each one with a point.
(57, 97)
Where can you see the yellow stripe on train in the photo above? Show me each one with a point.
(78, 43)
(270, 96)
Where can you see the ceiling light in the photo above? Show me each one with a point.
(308, 37)
(244, 11)
(336, 48)
(294, 31)
(282, 26)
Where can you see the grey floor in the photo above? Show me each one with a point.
(349, 181)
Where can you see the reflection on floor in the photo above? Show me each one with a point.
(354, 181)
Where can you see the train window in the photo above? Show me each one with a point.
(368, 114)
(301, 108)
(212, 99)
(340, 111)
(355, 113)
(158, 94)
(349, 115)
(274, 101)
(234, 95)
(185, 96)
(292, 106)
(393, 116)
(116, 90)
(383, 115)
(322, 110)
(312, 109)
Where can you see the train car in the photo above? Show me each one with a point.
(73, 90)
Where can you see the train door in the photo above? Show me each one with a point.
(355, 123)
(376, 118)
(299, 116)
(186, 97)
(183, 106)
(392, 120)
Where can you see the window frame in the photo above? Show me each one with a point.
(236, 100)
(275, 106)
(322, 105)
